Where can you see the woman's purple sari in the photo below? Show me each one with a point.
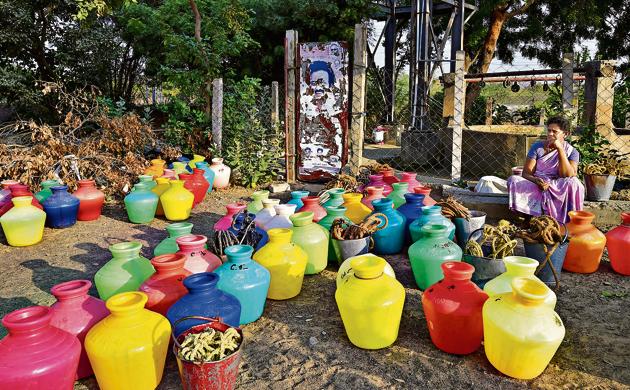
(563, 195)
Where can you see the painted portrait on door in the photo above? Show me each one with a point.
(323, 116)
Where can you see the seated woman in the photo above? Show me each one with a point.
(549, 184)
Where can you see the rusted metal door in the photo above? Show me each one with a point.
(322, 120)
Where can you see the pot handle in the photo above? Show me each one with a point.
(470, 236)
(208, 320)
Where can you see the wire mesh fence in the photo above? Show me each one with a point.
(503, 115)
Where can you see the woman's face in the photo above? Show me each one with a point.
(554, 132)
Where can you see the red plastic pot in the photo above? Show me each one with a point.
(410, 177)
(426, 191)
(36, 355)
(19, 190)
(91, 200)
(452, 308)
(311, 203)
(373, 193)
(618, 244)
(166, 285)
(388, 176)
(195, 183)
(76, 312)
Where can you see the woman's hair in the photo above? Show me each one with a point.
(562, 123)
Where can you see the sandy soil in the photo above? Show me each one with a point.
(301, 342)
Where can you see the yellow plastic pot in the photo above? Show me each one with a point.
(177, 201)
(128, 348)
(196, 158)
(355, 210)
(285, 261)
(23, 224)
(521, 332)
(516, 266)
(346, 270)
(163, 184)
(370, 303)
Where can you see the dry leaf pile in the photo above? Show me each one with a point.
(87, 144)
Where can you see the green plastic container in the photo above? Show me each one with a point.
(168, 245)
(398, 194)
(141, 203)
(428, 253)
(45, 192)
(313, 238)
(126, 271)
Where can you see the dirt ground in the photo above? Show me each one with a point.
(301, 342)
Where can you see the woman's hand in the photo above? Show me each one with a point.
(543, 185)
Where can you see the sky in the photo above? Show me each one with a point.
(519, 63)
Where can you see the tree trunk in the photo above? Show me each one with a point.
(498, 18)
(205, 90)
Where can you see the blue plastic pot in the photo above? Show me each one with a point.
(204, 299)
(61, 208)
(208, 173)
(412, 210)
(296, 199)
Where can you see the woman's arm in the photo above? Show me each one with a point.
(528, 173)
(566, 168)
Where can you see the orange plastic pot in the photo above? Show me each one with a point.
(586, 243)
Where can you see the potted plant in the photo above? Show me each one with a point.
(600, 165)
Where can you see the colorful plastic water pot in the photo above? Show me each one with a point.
(313, 239)
(208, 173)
(428, 253)
(23, 225)
(373, 193)
(36, 355)
(432, 215)
(360, 315)
(166, 285)
(141, 204)
(335, 197)
(296, 199)
(221, 173)
(192, 164)
(148, 180)
(390, 239)
(46, 191)
(225, 222)
(515, 267)
(410, 179)
(163, 185)
(126, 271)
(521, 333)
(268, 211)
(128, 348)
(247, 280)
(91, 200)
(412, 210)
(282, 218)
(61, 208)
(377, 181)
(618, 243)
(285, 261)
(346, 271)
(398, 194)
(204, 299)
(198, 258)
(586, 244)
(426, 191)
(76, 312)
(256, 204)
(156, 169)
(311, 203)
(452, 308)
(388, 176)
(355, 210)
(177, 201)
(168, 245)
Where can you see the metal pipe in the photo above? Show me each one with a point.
(520, 73)
(512, 79)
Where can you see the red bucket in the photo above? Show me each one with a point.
(220, 374)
